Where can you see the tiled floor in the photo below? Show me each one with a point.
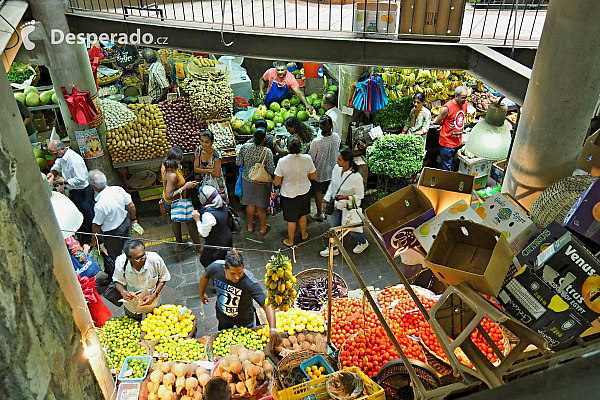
(186, 270)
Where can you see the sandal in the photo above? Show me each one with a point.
(304, 239)
(287, 245)
(267, 231)
(250, 228)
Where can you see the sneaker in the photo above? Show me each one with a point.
(360, 247)
(325, 253)
(318, 218)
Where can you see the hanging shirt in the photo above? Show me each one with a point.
(72, 167)
(271, 76)
(153, 272)
(109, 210)
(453, 125)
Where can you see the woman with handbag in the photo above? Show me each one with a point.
(294, 173)
(208, 163)
(175, 198)
(343, 198)
(257, 161)
(212, 225)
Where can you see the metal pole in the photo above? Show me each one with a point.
(329, 283)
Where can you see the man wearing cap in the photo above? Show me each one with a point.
(114, 214)
(74, 175)
(236, 288)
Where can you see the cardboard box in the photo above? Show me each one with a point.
(150, 194)
(427, 232)
(375, 19)
(395, 216)
(465, 251)
(476, 167)
(584, 216)
(572, 272)
(498, 170)
(502, 214)
(480, 183)
(532, 302)
(589, 158)
(439, 18)
(445, 188)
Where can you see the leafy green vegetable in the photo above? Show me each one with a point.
(398, 156)
(395, 114)
(19, 72)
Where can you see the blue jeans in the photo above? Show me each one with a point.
(336, 220)
(447, 156)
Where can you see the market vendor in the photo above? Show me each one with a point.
(452, 118)
(138, 269)
(236, 288)
(158, 84)
(281, 84)
(332, 110)
(127, 57)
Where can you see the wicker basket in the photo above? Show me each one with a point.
(106, 80)
(555, 202)
(288, 368)
(313, 274)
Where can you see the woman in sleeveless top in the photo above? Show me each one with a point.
(175, 187)
(208, 163)
(211, 222)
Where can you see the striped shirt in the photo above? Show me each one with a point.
(153, 272)
(157, 80)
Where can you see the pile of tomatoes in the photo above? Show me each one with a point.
(405, 311)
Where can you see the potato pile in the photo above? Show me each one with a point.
(210, 99)
(481, 101)
(143, 139)
(183, 129)
(315, 342)
(244, 370)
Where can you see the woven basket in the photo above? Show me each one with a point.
(106, 80)
(313, 274)
(288, 368)
(555, 202)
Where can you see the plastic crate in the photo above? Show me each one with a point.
(319, 361)
(125, 367)
(317, 387)
(128, 387)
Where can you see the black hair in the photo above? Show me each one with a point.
(326, 121)
(209, 135)
(131, 245)
(330, 98)
(261, 123)
(348, 155)
(300, 128)
(294, 145)
(259, 136)
(217, 388)
(174, 156)
(420, 97)
(234, 258)
(277, 64)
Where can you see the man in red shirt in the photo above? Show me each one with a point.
(281, 84)
(452, 118)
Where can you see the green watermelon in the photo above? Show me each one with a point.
(295, 100)
(41, 162)
(38, 153)
(277, 120)
(321, 111)
(275, 107)
(333, 88)
(46, 97)
(317, 103)
(301, 107)
(20, 97)
(32, 99)
(270, 125)
(302, 115)
(285, 103)
(30, 89)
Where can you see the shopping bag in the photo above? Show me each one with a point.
(95, 255)
(135, 306)
(98, 310)
(238, 183)
(88, 268)
(275, 201)
(258, 172)
(350, 215)
(181, 210)
(83, 110)
(113, 295)
(234, 222)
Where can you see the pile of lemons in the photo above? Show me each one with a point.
(168, 320)
(296, 320)
(315, 371)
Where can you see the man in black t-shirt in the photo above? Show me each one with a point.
(127, 57)
(236, 288)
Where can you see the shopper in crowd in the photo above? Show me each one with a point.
(281, 84)
(158, 84)
(299, 129)
(419, 118)
(294, 173)
(255, 195)
(346, 190)
(208, 164)
(27, 117)
(452, 118)
(127, 58)
(212, 225)
(331, 110)
(174, 188)
(217, 388)
(69, 169)
(323, 150)
(139, 270)
(114, 214)
(236, 288)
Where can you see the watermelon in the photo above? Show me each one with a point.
(38, 153)
(301, 107)
(333, 88)
(46, 97)
(41, 162)
(285, 103)
(295, 100)
(321, 111)
(270, 125)
(277, 120)
(302, 115)
(30, 89)
(20, 97)
(269, 115)
(317, 103)
(32, 100)
(256, 117)
(275, 107)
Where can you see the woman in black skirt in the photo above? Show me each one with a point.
(293, 173)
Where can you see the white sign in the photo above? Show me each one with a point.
(348, 110)
(375, 132)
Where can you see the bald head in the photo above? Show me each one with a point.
(57, 148)
(329, 101)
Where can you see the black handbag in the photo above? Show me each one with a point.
(331, 204)
(113, 295)
(234, 222)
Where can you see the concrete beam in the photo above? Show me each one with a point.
(499, 71)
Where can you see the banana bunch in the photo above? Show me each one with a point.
(423, 75)
(204, 62)
(441, 75)
(438, 86)
(279, 281)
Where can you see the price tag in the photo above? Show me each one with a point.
(113, 371)
(354, 316)
(220, 68)
(160, 355)
(127, 373)
(144, 100)
(348, 110)
(171, 96)
(375, 132)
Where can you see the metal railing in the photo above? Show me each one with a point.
(499, 22)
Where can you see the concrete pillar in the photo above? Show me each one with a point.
(43, 314)
(348, 74)
(69, 67)
(560, 100)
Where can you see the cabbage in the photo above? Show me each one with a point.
(46, 97)
(30, 89)
(20, 97)
(32, 99)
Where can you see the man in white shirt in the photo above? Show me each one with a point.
(139, 270)
(114, 213)
(69, 169)
(331, 109)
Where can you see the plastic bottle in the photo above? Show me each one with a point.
(320, 72)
